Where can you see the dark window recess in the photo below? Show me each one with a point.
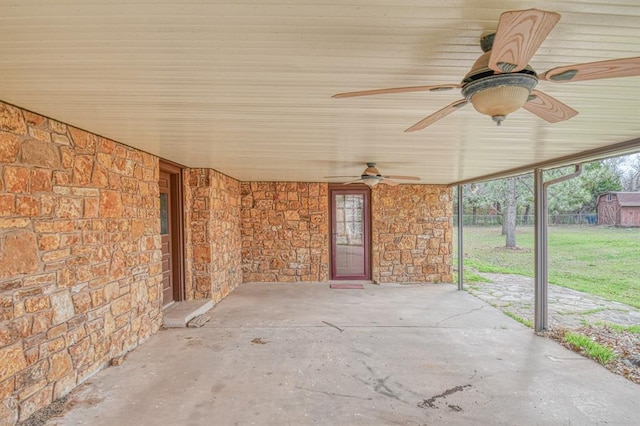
(164, 214)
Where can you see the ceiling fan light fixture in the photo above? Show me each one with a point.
(498, 102)
(500, 95)
(370, 181)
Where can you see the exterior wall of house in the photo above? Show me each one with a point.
(285, 232)
(412, 233)
(212, 232)
(80, 261)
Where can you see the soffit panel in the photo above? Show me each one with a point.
(244, 87)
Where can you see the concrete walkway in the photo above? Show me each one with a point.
(285, 354)
(567, 308)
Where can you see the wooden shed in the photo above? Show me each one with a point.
(619, 209)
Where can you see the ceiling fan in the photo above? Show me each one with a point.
(371, 176)
(501, 81)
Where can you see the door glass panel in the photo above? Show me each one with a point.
(349, 238)
(164, 214)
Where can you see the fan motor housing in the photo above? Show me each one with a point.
(498, 80)
(480, 70)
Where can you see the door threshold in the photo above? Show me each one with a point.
(168, 305)
(346, 286)
(178, 314)
(352, 282)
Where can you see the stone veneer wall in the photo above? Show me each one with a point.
(212, 223)
(285, 231)
(80, 262)
(411, 233)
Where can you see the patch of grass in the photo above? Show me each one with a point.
(471, 289)
(587, 312)
(485, 267)
(470, 277)
(594, 350)
(635, 329)
(592, 259)
(592, 311)
(521, 320)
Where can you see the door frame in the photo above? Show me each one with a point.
(356, 189)
(177, 227)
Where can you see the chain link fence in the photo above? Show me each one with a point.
(522, 220)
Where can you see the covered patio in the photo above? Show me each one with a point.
(157, 153)
(282, 354)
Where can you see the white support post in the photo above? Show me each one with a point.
(541, 243)
(540, 224)
(460, 240)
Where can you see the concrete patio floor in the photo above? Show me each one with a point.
(303, 354)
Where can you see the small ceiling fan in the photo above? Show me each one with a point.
(501, 81)
(371, 177)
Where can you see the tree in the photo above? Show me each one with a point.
(504, 195)
(579, 195)
(509, 222)
(597, 178)
(474, 197)
(628, 169)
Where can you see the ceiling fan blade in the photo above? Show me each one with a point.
(353, 181)
(388, 182)
(402, 177)
(626, 67)
(520, 33)
(437, 115)
(435, 88)
(548, 108)
(332, 177)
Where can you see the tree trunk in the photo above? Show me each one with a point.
(525, 219)
(509, 223)
(505, 219)
(500, 214)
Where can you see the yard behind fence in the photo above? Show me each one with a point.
(522, 220)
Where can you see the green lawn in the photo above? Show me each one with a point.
(598, 260)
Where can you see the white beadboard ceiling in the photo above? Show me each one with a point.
(244, 87)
